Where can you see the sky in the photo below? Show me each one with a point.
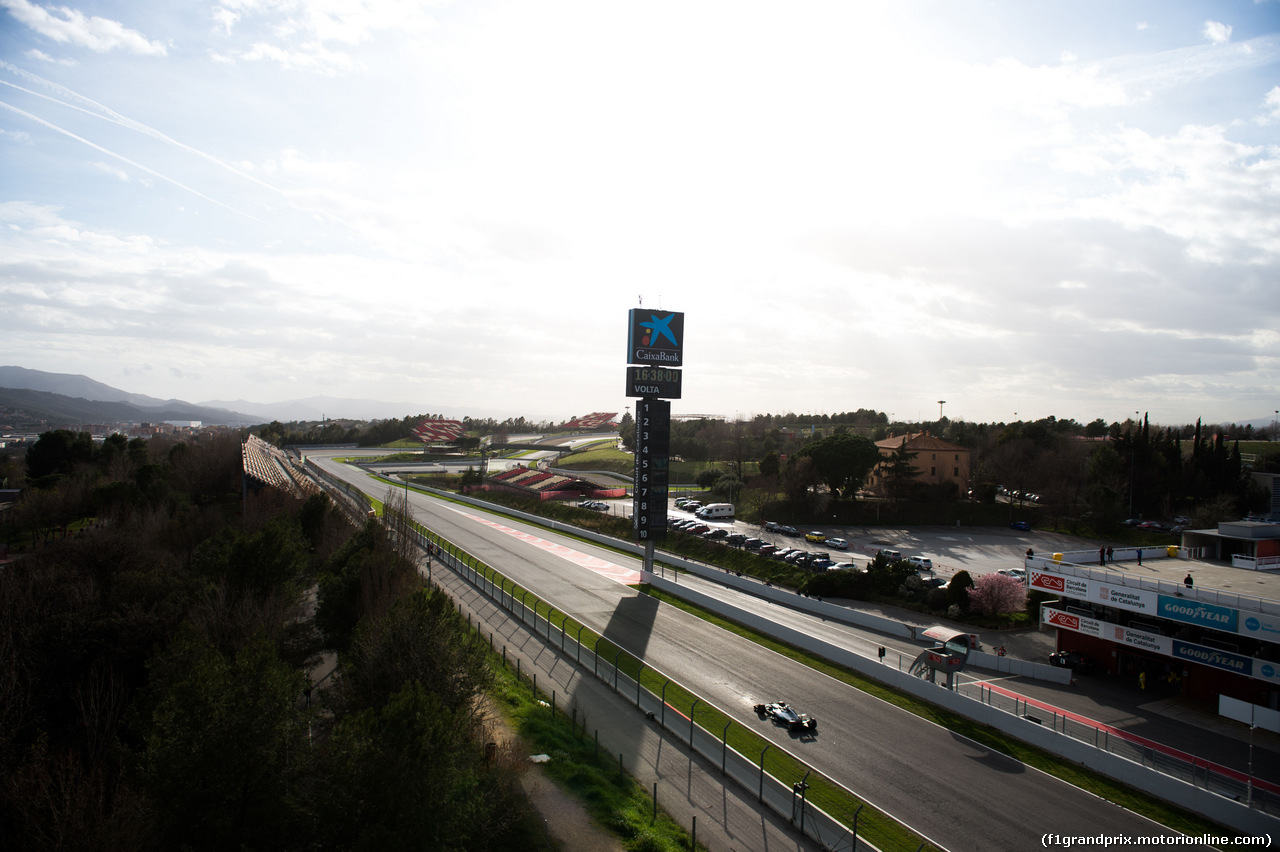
(1021, 209)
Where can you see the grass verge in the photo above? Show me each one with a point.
(1127, 797)
(613, 799)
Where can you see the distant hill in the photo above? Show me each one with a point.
(59, 410)
(68, 399)
(77, 387)
(319, 407)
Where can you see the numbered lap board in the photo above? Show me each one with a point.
(653, 445)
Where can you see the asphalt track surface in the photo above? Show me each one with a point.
(951, 790)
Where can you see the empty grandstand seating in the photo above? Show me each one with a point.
(272, 468)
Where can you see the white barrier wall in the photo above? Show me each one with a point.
(1230, 813)
(1235, 815)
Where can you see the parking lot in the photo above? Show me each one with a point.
(978, 550)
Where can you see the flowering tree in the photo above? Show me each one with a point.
(996, 594)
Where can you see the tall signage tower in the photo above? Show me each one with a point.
(655, 352)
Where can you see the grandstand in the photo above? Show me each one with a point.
(432, 430)
(591, 422)
(264, 466)
(545, 485)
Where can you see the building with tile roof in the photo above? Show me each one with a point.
(936, 462)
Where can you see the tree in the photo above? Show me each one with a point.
(843, 460)
(407, 774)
(770, 465)
(421, 639)
(59, 451)
(958, 589)
(900, 472)
(997, 595)
(224, 742)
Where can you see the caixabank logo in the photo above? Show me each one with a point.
(655, 337)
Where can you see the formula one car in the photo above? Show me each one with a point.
(784, 714)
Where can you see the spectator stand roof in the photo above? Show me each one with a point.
(265, 466)
(431, 430)
(590, 422)
(546, 485)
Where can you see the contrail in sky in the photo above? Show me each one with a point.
(108, 114)
(97, 110)
(149, 171)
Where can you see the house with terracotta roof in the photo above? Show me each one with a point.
(936, 462)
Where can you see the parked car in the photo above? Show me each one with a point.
(1016, 573)
(716, 534)
(735, 539)
(814, 535)
(772, 526)
(920, 563)
(1020, 525)
(788, 530)
(767, 549)
(753, 543)
(838, 543)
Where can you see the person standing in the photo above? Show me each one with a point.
(1139, 555)
(1102, 556)
(1111, 554)
(1187, 580)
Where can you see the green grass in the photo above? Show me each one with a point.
(613, 799)
(1123, 795)
(872, 825)
(602, 458)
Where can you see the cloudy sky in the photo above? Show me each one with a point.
(1066, 208)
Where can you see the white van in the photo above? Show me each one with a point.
(716, 510)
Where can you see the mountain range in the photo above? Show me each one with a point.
(65, 399)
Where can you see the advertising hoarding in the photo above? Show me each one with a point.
(655, 337)
(1184, 609)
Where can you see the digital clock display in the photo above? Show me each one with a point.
(655, 382)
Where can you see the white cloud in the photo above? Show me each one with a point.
(112, 170)
(69, 26)
(1217, 32)
(310, 56)
(1272, 102)
(41, 56)
(1046, 223)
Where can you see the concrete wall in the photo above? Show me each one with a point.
(1230, 813)
(1226, 811)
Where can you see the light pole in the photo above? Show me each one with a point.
(941, 403)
